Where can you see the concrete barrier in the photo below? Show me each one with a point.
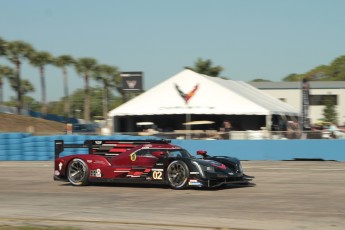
(270, 149)
(25, 147)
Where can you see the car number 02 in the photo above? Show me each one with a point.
(157, 175)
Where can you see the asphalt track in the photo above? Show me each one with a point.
(286, 195)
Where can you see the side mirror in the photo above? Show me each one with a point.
(158, 154)
(202, 153)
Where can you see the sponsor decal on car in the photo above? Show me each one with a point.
(134, 174)
(60, 166)
(122, 170)
(133, 157)
(96, 173)
(194, 182)
(157, 174)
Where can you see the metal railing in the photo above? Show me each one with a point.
(243, 135)
(206, 135)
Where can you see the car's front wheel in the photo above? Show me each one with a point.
(77, 172)
(178, 174)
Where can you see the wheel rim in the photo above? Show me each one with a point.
(177, 174)
(77, 172)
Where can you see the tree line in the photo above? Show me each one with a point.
(18, 51)
(109, 76)
(335, 71)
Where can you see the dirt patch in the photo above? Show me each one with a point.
(20, 123)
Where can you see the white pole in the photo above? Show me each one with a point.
(188, 135)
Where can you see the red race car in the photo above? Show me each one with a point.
(145, 161)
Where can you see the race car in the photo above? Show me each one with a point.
(145, 161)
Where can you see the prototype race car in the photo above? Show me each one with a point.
(145, 161)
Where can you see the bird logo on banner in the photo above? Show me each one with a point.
(187, 96)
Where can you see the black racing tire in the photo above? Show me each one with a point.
(177, 175)
(78, 172)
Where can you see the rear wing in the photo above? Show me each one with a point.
(105, 147)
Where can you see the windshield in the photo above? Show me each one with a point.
(179, 153)
(168, 152)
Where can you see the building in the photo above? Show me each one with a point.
(291, 93)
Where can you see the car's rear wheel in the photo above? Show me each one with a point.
(77, 172)
(178, 174)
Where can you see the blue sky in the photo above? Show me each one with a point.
(251, 39)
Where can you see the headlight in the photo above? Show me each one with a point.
(210, 168)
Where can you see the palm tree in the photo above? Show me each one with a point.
(2, 46)
(40, 60)
(109, 76)
(206, 67)
(26, 86)
(5, 72)
(62, 62)
(15, 51)
(86, 68)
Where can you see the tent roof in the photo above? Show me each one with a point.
(212, 96)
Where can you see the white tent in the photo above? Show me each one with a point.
(212, 96)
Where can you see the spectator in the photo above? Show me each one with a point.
(226, 129)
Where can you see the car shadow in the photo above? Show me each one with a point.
(162, 186)
(122, 185)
